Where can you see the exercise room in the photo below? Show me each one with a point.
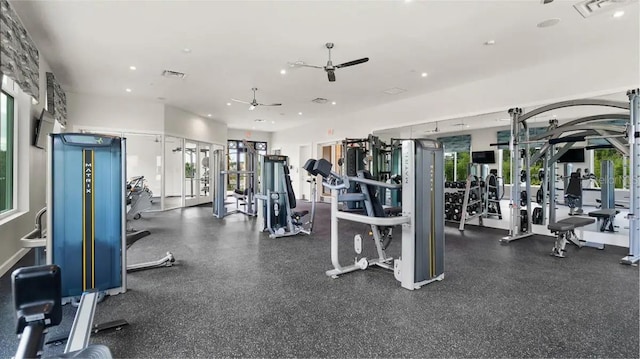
(320, 179)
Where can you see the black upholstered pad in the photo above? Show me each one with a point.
(604, 213)
(570, 223)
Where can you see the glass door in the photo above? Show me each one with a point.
(204, 157)
(191, 173)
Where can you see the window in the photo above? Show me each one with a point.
(457, 156)
(6, 153)
(456, 165)
(236, 161)
(506, 166)
(618, 165)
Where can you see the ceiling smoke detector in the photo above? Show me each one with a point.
(593, 7)
(320, 100)
(173, 74)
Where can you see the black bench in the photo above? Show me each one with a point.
(565, 233)
(605, 218)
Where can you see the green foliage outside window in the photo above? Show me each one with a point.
(618, 165)
(463, 164)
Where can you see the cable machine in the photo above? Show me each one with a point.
(555, 142)
(421, 217)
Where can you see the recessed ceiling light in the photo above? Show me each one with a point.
(273, 121)
(253, 127)
(490, 42)
(228, 103)
(209, 115)
(300, 113)
(618, 13)
(333, 102)
(283, 71)
(128, 90)
(132, 68)
(424, 74)
(548, 23)
(186, 50)
(467, 126)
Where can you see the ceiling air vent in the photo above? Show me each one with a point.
(173, 74)
(394, 91)
(593, 7)
(320, 100)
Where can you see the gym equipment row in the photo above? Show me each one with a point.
(421, 216)
(278, 215)
(554, 143)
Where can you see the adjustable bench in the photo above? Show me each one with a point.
(565, 233)
(605, 218)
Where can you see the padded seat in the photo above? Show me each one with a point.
(604, 213)
(605, 218)
(569, 224)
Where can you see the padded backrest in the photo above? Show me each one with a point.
(287, 181)
(37, 295)
(323, 168)
(309, 167)
(574, 187)
(378, 210)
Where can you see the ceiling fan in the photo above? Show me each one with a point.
(435, 130)
(253, 104)
(330, 68)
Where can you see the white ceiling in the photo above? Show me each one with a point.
(236, 45)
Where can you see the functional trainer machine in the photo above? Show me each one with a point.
(246, 201)
(422, 215)
(278, 215)
(555, 142)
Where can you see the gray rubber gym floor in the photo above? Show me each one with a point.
(234, 292)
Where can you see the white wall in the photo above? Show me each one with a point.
(31, 184)
(143, 156)
(180, 123)
(250, 135)
(93, 112)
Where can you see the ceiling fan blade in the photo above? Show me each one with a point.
(354, 62)
(244, 102)
(331, 75)
(302, 64)
(270, 104)
(252, 107)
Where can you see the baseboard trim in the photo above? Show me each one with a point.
(13, 260)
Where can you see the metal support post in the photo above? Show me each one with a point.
(634, 191)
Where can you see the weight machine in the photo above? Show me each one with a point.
(555, 142)
(278, 215)
(422, 215)
(246, 201)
